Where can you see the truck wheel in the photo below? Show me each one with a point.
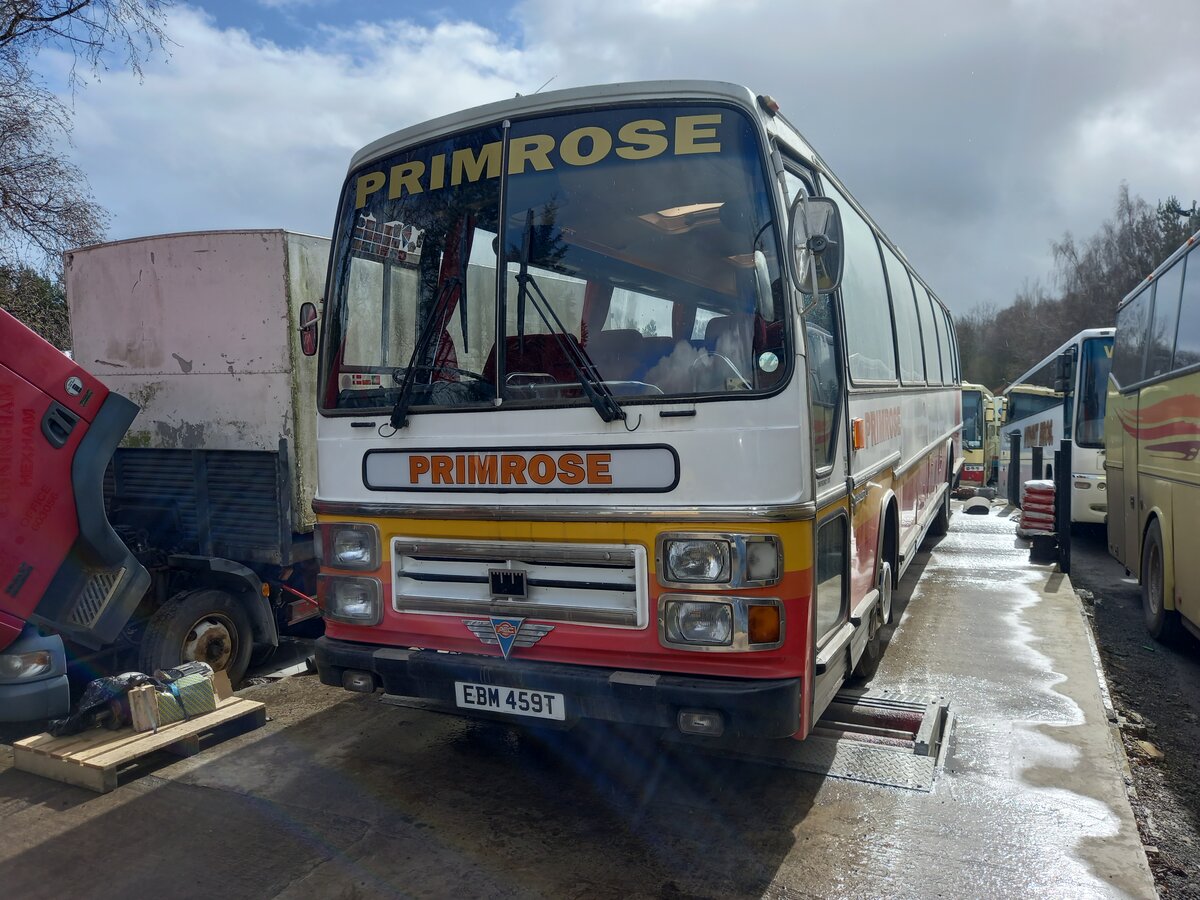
(203, 626)
(1162, 623)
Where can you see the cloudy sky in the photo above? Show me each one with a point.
(974, 131)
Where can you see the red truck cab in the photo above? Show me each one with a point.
(64, 571)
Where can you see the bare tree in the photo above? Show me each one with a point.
(46, 205)
(93, 30)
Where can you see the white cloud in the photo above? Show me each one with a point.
(975, 132)
(237, 132)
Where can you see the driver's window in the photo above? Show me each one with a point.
(377, 294)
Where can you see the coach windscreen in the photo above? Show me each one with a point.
(639, 256)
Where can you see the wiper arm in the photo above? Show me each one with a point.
(399, 417)
(595, 389)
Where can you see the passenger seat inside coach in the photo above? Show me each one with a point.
(616, 354)
(536, 358)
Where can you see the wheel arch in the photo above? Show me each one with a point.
(242, 583)
(888, 540)
(1155, 514)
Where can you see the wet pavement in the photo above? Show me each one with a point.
(344, 796)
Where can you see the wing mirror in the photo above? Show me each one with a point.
(308, 328)
(815, 226)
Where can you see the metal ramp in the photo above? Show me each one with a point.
(874, 738)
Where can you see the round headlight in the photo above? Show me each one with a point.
(349, 545)
(352, 548)
(354, 601)
(699, 623)
(698, 561)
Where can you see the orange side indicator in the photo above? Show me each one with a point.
(764, 624)
(858, 433)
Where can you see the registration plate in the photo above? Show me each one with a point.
(511, 701)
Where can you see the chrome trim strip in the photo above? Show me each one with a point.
(862, 477)
(528, 552)
(507, 609)
(833, 495)
(784, 512)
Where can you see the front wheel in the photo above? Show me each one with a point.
(206, 625)
(1162, 623)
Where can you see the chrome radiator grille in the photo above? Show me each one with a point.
(600, 585)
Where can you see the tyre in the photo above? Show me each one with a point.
(885, 593)
(1162, 623)
(205, 626)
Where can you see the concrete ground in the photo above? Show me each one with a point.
(346, 797)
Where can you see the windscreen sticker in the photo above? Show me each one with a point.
(392, 241)
(584, 146)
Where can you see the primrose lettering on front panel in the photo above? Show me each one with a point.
(587, 145)
(653, 467)
(509, 469)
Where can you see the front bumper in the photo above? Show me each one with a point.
(48, 695)
(1089, 504)
(751, 708)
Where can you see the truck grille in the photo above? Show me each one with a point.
(599, 585)
(95, 598)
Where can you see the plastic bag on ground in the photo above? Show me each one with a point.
(103, 703)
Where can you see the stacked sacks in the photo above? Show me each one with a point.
(1037, 508)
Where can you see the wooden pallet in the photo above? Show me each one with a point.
(98, 759)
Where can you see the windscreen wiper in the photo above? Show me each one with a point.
(527, 289)
(399, 417)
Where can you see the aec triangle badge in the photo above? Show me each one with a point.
(506, 633)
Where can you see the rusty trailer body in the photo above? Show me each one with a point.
(212, 485)
(200, 331)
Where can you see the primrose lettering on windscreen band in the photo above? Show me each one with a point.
(584, 146)
(510, 468)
